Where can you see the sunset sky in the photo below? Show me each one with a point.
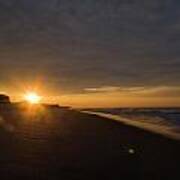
(91, 53)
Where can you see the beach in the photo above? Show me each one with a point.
(54, 143)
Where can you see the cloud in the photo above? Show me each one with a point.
(103, 89)
(115, 89)
(80, 44)
(163, 91)
(157, 91)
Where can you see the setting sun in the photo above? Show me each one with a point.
(32, 98)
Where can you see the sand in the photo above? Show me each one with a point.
(53, 143)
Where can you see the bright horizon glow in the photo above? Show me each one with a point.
(32, 98)
(105, 97)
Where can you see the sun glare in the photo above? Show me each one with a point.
(32, 98)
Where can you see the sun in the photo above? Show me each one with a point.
(32, 98)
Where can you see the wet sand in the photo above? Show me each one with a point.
(52, 143)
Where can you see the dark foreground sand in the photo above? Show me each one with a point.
(50, 143)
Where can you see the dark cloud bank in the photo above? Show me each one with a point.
(78, 44)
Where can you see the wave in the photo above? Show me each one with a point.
(164, 122)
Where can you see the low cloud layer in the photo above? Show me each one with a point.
(158, 91)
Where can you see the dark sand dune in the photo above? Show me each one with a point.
(50, 143)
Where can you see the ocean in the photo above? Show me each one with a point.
(165, 121)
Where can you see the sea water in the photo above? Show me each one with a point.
(165, 121)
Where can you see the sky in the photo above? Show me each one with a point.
(92, 53)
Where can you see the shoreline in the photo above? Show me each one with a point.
(152, 128)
